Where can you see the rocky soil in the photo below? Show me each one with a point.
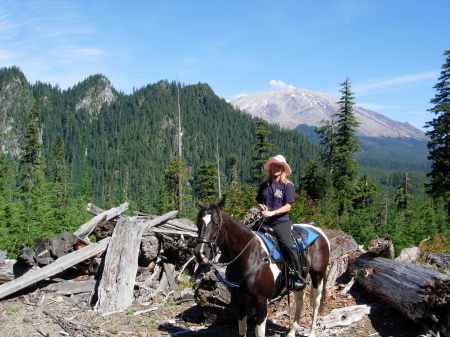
(40, 313)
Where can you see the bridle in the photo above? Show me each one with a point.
(212, 244)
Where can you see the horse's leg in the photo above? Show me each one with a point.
(299, 295)
(242, 323)
(315, 301)
(261, 316)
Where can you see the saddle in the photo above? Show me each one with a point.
(303, 237)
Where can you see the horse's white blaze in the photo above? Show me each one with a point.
(261, 329)
(242, 323)
(207, 219)
(273, 267)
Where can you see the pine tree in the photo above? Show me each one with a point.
(346, 145)
(205, 183)
(30, 163)
(314, 182)
(262, 147)
(439, 144)
(366, 190)
(32, 189)
(169, 196)
(404, 194)
(339, 146)
(58, 185)
(327, 137)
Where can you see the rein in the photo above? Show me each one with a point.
(213, 245)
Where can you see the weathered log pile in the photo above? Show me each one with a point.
(126, 247)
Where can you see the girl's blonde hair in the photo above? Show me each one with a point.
(283, 178)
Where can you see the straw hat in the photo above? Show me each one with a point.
(280, 160)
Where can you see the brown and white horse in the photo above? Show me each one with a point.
(254, 278)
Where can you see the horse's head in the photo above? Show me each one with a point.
(209, 223)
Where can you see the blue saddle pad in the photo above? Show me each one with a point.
(275, 254)
(312, 236)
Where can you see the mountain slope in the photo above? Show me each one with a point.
(120, 144)
(293, 107)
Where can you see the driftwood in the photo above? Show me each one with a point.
(115, 291)
(421, 294)
(56, 267)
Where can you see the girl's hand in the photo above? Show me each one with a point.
(262, 207)
(268, 213)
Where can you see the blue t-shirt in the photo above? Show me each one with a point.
(275, 195)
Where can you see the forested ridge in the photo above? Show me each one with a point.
(95, 144)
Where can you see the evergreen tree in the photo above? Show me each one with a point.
(403, 194)
(365, 193)
(314, 182)
(439, 144)
(32, 189)
(205, 183)
(58, 186)
(262, 148)
(326, 133)
(232, 171)
(30, 164)
(345, 145)
(169, 196)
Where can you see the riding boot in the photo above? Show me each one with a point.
(293, 262)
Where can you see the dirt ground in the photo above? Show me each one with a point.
(39, 313)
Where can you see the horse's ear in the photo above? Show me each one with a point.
(199, 203)
(221, 203)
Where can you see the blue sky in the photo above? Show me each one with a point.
(390, 50)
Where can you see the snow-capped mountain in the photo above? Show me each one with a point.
(293, 107)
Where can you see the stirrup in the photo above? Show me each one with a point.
(299, 284)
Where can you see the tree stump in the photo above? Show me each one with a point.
(214, 299)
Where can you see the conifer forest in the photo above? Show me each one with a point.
(167, 145)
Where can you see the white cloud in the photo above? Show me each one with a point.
(382, 83)
(280, 84)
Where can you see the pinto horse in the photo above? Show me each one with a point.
(250, 267)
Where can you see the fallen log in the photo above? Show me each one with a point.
(342, 247)
(56, 267)
(421, 294)
(71, 287)
(115, 290)
(87, 228)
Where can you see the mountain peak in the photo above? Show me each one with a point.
(96, 90)
(292, 107)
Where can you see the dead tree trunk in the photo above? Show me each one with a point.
(421, 294)
(115, 291)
